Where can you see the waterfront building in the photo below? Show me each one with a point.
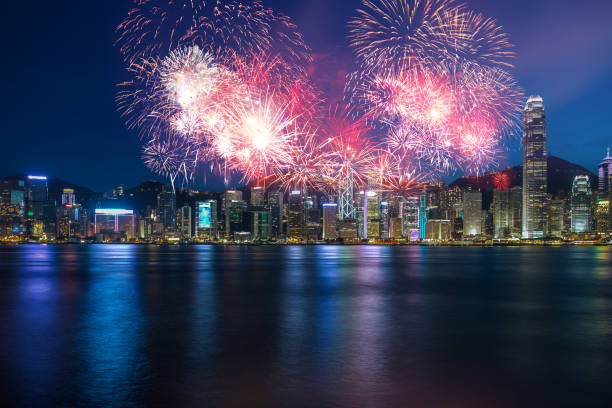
(275, 204)
(422, 215)
(438, 230)
(257, 196)
(581, 204)
(330, 221)
(556, 218)
(259, 222)
(295, 226)
(360, 199)
(113, 224)
(348, 229)
(507, 213)
(410, 217)
(37, 197)
(534, 169)
(206, 221)
(236, 220)
(183, 221)
(472, 213)
(372, 216)
(605, 170)
(68, 197)
(385, 220)
(601, 216)
(166, 208)
(12, 208)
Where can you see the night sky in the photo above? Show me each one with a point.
(60, 71)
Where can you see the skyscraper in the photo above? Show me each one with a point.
(183, 221)
(257, 196)
(37, 195)
(472, 213)
(410, 217)
(581, 204)
(330, 221)
(295, 227)
(605, 168)
(166, 208)
(507, 213)
(534, 169)
(372, 215)
(206, 223)
(275, 204)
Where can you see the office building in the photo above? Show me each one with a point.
(275, 204)
(206, 220)
(472, 213)
(422, 215)
(68, 197)
(113, 224)
(296, 219)
(259, 222)
(236, 219)
(410, 218)
(534, 169)
(166, 209)
(438, 230)
(581, 204)
(372, 216)
(183, 222)
(601, 216)
(605, 170)
(385, 220)
(348, 229)
(37, 196)
(556, 218)
(330, 221)
(507, 213)
(257, 196)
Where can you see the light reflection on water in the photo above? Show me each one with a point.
(121, 325)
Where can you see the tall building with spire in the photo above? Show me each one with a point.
(605, 168)
(534, 169)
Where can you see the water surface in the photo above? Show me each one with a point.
(305, 326)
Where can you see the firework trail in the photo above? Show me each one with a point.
(431, 77)
(154, 28)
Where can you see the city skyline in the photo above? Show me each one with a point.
(116, 151)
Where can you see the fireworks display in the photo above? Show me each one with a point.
(223, 85)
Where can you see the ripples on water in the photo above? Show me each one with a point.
(126, 325)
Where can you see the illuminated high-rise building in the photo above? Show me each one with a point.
(605, 170)
(166, 208)
(206, 220)
(37, 196)
(422, 215)
(360, 220)
(330, 221)
(259, 222)
(472, 213)
(385, 220)
(183, 222)
(114, 222)
(236, 219)
(275, 204)
(68, 196)
(257, 196)
(581, 204)
(601, 215)
(410, 218)
(372, 215)
(295, 226)
(534, 169)
(507, 213)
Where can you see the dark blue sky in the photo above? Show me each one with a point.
(60, 71)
